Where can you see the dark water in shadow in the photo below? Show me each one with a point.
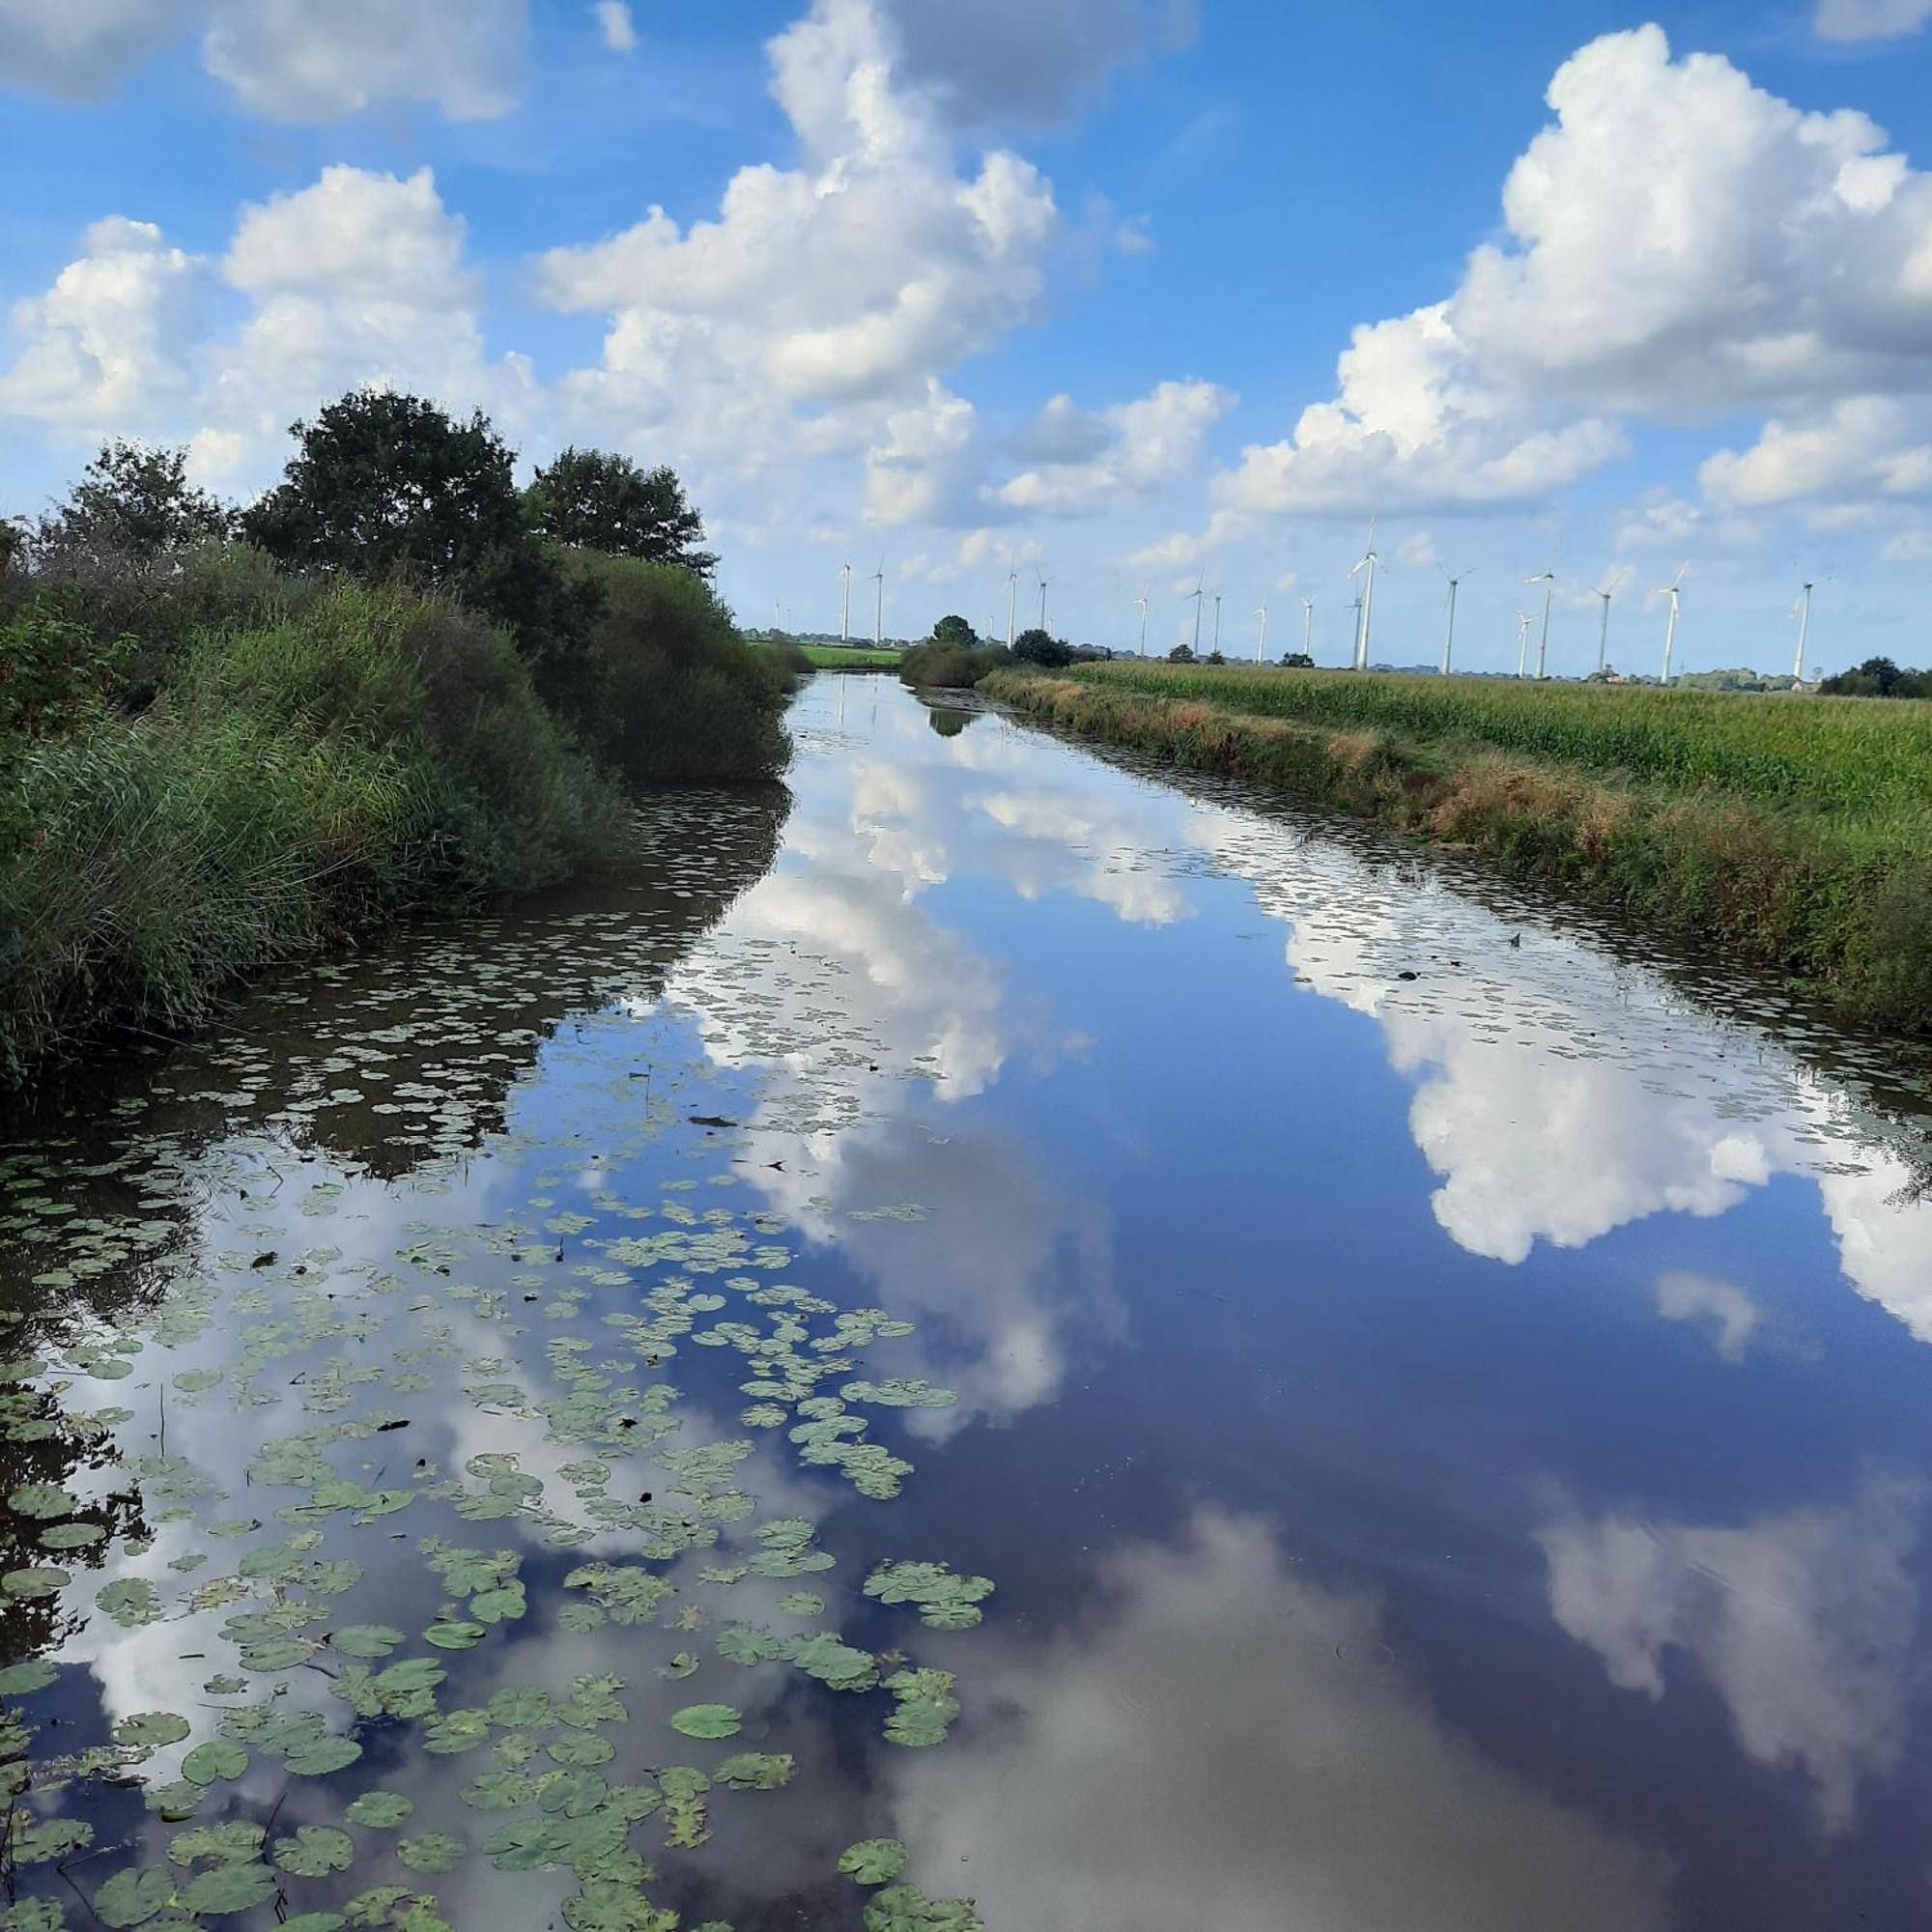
(1444, 1412)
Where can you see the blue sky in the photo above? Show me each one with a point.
(1121, 292)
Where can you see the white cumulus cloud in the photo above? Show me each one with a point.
(1129, 450)
(286, 60)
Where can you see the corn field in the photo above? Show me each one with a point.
(1869, 758)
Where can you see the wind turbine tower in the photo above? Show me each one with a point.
(1043, 582)
(1608, 592)
(1549, 582)
(1217, 622)
(1200, 592)
(1670, 592)
(1013, 601)
(879, 610)
(1369, 561)
(1260, 642)
(845, 609)
(1449, 637)
(1523, 621)
(1307, 626)
(1802, 610)
(1142, 601)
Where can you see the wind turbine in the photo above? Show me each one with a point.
(1260, 642)
(1549, 582)
(1043, 582)
(845, 609)
(1606, 592)
(1012, 599)
(1307, 626)
(1523, 621)
(1199, 591)
(879, 612)
(1356, 606)
(1369, 561)
(1802, 610)
(1142, 601)
(1449, 640)
(1670, 590)
(1217, 623)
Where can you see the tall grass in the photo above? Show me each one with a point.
(335, 760)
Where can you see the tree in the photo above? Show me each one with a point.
(1041, 647)
(955, 630)
(136, 502)
(1879, 677)
(591, 500)
(386, 485)
(1297, 661)
(1215, 658)
(1180, 654)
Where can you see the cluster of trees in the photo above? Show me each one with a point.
(233, 736)
(1879, 677)
(1185, 654)
(387, 488)
(956, 657)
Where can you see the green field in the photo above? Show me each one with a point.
(1838, 753)
(850, 657)
(1791, 833)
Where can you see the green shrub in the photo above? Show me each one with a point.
(678, 697)
(951, 666)
(362, 754)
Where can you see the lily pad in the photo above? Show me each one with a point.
(218, 1759)
(229, 1888)
(706, 1720)
(149, 1731)
(432, 1852)
(874, 1861)
(380, 1810)
(315, 1851)
(132, 1897)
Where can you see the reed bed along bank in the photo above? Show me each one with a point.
(1793, 834)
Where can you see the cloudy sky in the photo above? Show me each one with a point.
(1116, 292)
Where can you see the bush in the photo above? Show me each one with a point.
(354, 757)
(678, 697)
(951, 666)
(1041, 647)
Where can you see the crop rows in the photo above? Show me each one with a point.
(1863, 756)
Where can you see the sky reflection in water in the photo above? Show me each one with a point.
(1446, 1417)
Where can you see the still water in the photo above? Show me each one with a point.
(1183, 1367)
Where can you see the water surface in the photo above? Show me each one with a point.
(1403, 1415)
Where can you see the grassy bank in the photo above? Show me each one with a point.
(1794, 833)
(343, 760)
(215, 757)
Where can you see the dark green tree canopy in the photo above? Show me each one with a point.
(136, 502)
(1042, 648)
(1298, 660)
(1180, 654)
(389, 486)
(591, 500)
(955, 630)
(1879, 677)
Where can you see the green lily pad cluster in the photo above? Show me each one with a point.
(946, 1602)
(334, 1476)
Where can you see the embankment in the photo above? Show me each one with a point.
(1800, 842)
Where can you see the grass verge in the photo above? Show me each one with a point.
(1792, 875)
